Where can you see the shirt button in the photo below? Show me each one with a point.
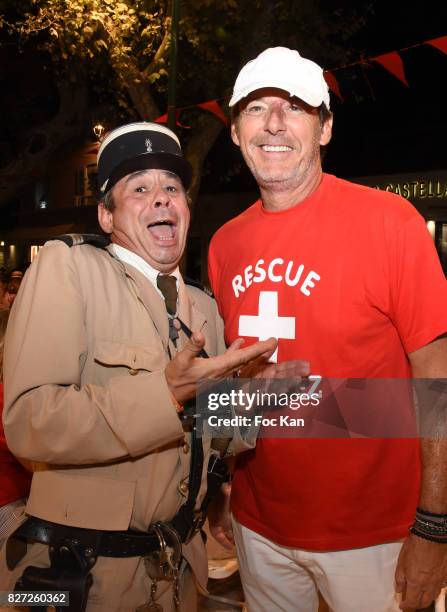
(186, 448)
(183, 488)
(133, 372)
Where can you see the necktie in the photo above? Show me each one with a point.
(168, 287)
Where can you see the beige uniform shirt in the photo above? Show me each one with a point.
(85, 395)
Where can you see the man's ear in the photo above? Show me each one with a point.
(105, 218)
(234, 134)
(326, 131)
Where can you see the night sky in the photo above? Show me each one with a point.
(382, 126)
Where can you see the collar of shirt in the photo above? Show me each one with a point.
(141, 265)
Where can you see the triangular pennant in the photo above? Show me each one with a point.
(393, 63)
(333, 84)
(213, 107)
(164, 119)
(177, 115)
(439, 43)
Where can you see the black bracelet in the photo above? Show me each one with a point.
(428, 514)
(430, 526)
(426, 536)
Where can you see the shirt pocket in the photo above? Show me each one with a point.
(132, 358)
(81, 501)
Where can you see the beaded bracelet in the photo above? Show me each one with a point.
(430, 526)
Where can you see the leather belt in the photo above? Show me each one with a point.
(96, 543)
(103, 543)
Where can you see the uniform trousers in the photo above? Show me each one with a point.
(280, 579)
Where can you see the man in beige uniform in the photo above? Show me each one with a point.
(96, 373)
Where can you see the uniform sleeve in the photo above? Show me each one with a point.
(48, 415)
(418, 287)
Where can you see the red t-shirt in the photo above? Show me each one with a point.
(349, 280)
(15, 481)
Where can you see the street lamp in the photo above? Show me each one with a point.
(98, 131)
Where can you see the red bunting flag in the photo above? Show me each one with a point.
(213, 107)
(393, 63)
(439, 43)
(164, 119)
(333, 84)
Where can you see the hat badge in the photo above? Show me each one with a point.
(148, 145)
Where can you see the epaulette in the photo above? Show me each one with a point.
(96, 240)
(198, 285)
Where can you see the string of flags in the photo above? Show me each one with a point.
(392, 62)
(212, 106)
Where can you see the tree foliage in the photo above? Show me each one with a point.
(121, 48)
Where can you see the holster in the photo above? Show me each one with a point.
(68, 572)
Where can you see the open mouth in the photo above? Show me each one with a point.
(163, 230)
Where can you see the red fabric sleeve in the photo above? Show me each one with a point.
(15, 481)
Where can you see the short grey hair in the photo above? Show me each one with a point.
(108, 201)
(324, 113)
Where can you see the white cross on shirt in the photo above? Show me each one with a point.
(267, 324)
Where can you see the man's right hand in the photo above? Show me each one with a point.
(186, 369)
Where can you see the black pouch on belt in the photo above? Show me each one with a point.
(76, 582)
(69, 571)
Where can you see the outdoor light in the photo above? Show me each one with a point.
(98, 130)
(34, 249)
(2, 243)
(431, 226)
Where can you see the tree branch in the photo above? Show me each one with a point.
(138, 89)
(162, 49)
(133, 79)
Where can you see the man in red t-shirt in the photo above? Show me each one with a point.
(347, 278)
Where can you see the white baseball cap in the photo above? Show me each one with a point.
(285, 69)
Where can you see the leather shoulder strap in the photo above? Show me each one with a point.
(97, 240)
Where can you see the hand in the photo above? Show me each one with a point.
(276, 378)
(219, 517)
(421, 572)
(287, 369)
(186, 369)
